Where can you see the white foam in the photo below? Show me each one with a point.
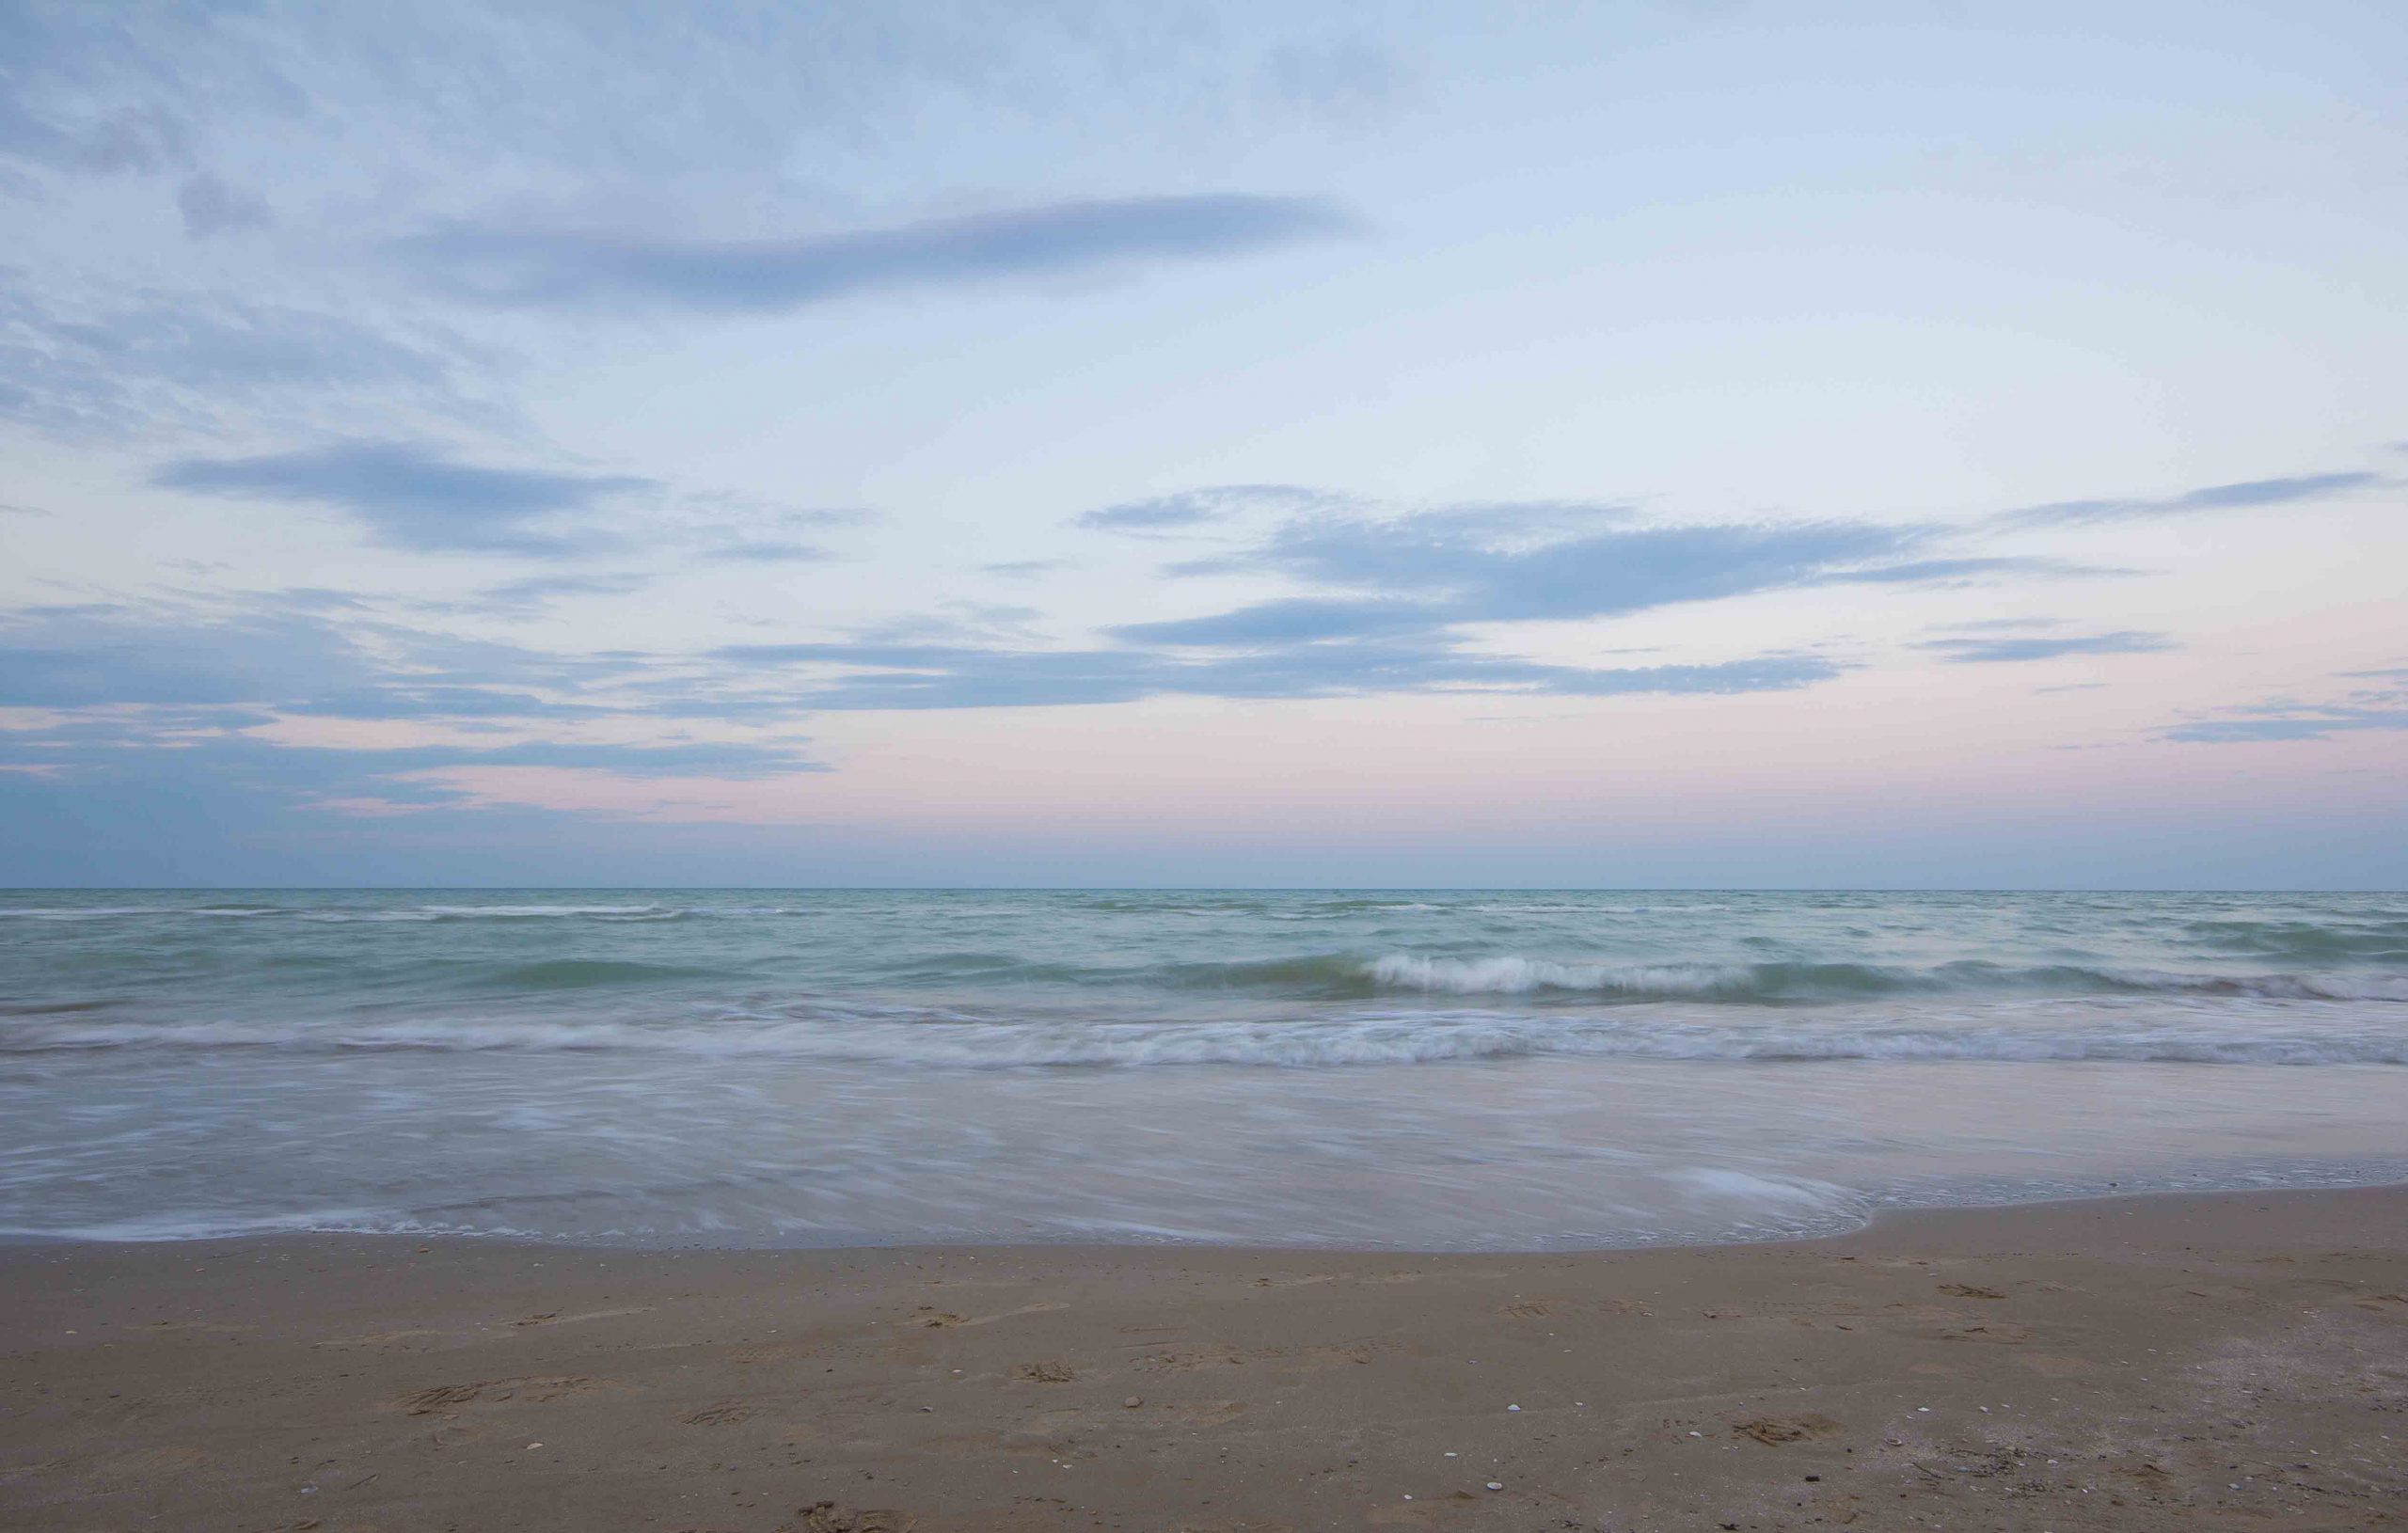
(1509, 974)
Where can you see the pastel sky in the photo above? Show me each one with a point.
(1636, 444)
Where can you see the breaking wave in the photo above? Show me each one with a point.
(1791, 982)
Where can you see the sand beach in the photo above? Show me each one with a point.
(2212, 1361)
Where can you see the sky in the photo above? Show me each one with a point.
(1676, 444)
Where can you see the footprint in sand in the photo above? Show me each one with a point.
(441, 1397)
(376, 1338)
(1048, 1432)
(2054, 1365)
(1775, 1430)
(776, 1352)
(447, 1398)
(1295, 1282)
(1334, 1357)
(725, 1414)
(1994, 1332)
(556, 1317)
(827, 1517)
(943, 1319)
(1187, 1360)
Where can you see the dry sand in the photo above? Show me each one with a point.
(2193, 1363)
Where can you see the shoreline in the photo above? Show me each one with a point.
(2167, 1360)
(2391, 1175)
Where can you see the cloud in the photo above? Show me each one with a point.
(2259, 723)
(1407, 587)
(536, 269)
(1482, 565)
(75, 369)
(127, 141)
(1196, 508)
(2246, 495)
(530, 595)
(212, 206)
(1292, 620)
(1345, 80)
(1429, 574)
(285, 654)
(411, 497)
(768, 551)
(2001, 624)
(866, 676)
(2013, 650)
(319, 771)
(1965, 572)
(2313, 724)
(1024, 569)
(88, 656)
(159, 710)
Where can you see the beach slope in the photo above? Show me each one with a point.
(2212, 1361)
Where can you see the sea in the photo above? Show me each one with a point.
(1422, 1070)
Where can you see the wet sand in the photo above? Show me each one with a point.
(2220, 1361)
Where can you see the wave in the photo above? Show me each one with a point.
(1363, 1039)
(1771, 982)
(1349, 976)
(2308, 943)
(579, 973)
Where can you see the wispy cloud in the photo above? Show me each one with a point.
(854, 676)
(1970, 571)
(78, 369)
(1200, 507)
(123, 140)
(2258, 723)
(2248, 495)
(766, 551)
(1490, 563)
(517, 597)
(413, 497)
(1292, 620)
(305, 652)
(1023, 569)
(89, 656)
(211, 205)
(1398, 595)
(174, 708)
(531, 268)
(2009, 651)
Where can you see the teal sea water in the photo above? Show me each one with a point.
(1434, 1070)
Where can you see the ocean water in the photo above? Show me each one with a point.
(1423, 1069)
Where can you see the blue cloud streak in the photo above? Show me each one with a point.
(528, 268)
(922, 676)
(412, 497)
(2013, 650)
(2245, 495)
